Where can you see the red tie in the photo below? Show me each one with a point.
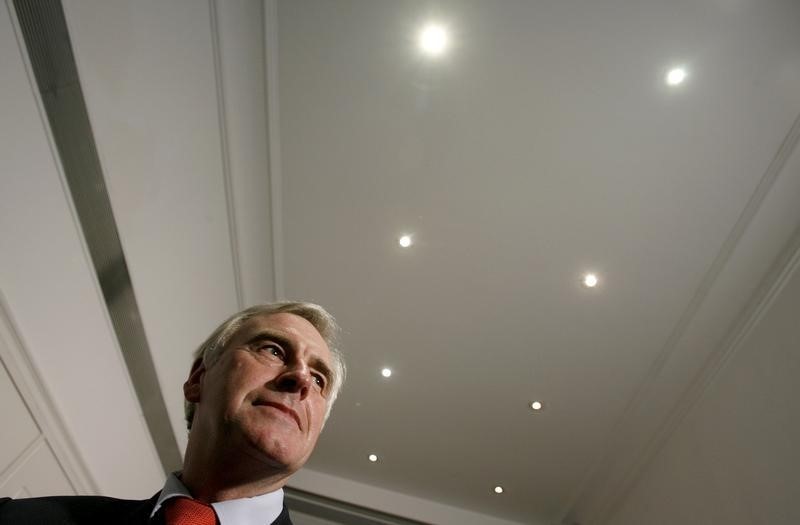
(185, 511)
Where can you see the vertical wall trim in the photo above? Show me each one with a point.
(233, 232)
(22, 459)
(273, 142)
(39, 401)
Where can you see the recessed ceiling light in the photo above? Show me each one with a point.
(405, 241)
(433, 40)
(373, 458)
(386, 372)
(498, 490)
(676, 76)
(536, 405)
(590, 280)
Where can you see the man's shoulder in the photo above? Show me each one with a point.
(76, 510)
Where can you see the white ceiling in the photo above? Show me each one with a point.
(544, 145)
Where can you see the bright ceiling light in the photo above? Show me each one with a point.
(433, 40)
(498, 490)
(386, 372)
(536, 405)
(590, 280)
(373, 458)
(405, 241)
(676, 76)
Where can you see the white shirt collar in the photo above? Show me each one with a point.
(258, 510)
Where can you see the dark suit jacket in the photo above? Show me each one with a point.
(87, 510)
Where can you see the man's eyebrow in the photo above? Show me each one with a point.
(315, 362)
(268, 335)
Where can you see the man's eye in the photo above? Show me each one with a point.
(273, 350)
(320, 381)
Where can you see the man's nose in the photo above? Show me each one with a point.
(296, 379)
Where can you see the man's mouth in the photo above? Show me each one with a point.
(283, 408)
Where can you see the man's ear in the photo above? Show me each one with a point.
(193, 386)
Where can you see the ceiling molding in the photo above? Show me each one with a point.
(64, 445)
(273, 142)
(628, 454)
(339, 512)
(390, 502)
(768, 291)
(80, 170)
(728, 246)
(222, 118)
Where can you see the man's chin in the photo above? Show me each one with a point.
(273, 454)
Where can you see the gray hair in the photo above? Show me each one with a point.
(211, 349)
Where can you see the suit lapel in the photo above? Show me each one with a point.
(283, 518)
(140, 515)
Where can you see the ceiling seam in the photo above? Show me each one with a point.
(233, 231)
(273, 142)
(613, 448)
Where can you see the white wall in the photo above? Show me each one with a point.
(735, 458)
(52, 294)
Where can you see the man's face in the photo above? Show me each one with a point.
(267, 393)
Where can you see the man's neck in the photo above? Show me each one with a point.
(210, 478)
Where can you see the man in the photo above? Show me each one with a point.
(257, 397)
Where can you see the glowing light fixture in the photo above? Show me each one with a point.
(386, 372)
(373, 458)
(405, 241)
(676, 76)
(536, 405)
(433, 40)
(498, 490)
(590, 280)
